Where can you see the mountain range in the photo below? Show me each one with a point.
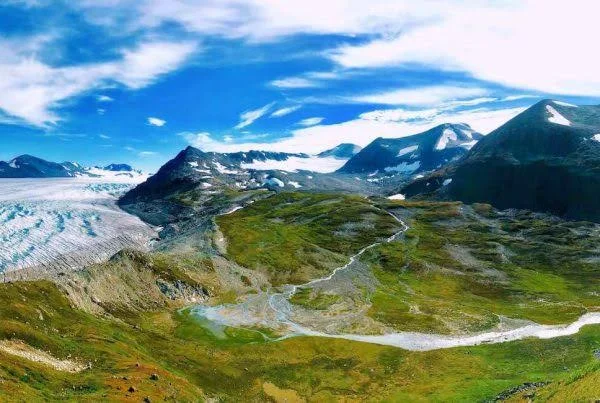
(28, 166)
(413, 154)
(545, 159)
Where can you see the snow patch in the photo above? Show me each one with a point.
(407, 150)
(193, 164)
(295, 164)
(447, 135)
(404, 167)
(596, 137)
(398, 196)
(223, 169)
(565, 104)
(447, 182)
(274, 182)
(468, 145)
(294, 184)
(556, 117)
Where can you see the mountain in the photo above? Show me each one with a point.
(210, 177)
(193, 168)
(118, 168)
(417, 153)
(341, 151)
(28, 166)
(545, 159)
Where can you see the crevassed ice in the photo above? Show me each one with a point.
(64, 224)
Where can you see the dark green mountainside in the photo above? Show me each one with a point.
(545, 159)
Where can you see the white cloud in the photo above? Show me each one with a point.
(420, 96)
(144, 154)
(524, 44)
(294, 82)
(285, 111)
(104, 136)
(311, 121)
(249, 117)
(520, 43)
(363, 130)
(104, 98)
(156, 122)
(259, 20)
(101, 111)
(398, 115)
(31, 90)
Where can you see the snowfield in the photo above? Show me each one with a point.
(64, 224)
(295, 164)
(556, 117)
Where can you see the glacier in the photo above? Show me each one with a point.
(48, 226)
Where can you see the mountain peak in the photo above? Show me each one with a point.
(417, 153)
(341, 151)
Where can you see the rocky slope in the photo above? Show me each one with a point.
(198, 182)
(413, 154)
(545, 159)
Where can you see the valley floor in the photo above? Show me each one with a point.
(133, 330)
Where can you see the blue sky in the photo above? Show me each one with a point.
(137, 80)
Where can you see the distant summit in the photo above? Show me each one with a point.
(341, 151)
(545, 159)
(417, 153)
(28, 166)
(118, 168)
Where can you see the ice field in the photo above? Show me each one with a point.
(64, 224)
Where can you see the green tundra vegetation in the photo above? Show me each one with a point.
(463, 268)
(458, 268)
(166, 354)
(296, 237)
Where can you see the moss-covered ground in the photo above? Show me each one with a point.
(193, 362)
(461, 269)
(295, 237)
(457, 269)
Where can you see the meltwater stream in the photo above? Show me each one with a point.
(274, 310)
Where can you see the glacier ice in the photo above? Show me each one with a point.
(54, 225)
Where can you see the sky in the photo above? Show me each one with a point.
(136, 81)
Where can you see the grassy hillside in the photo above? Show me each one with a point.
(191, 363)
(295, 237)
(458, 267)
(462, 268)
